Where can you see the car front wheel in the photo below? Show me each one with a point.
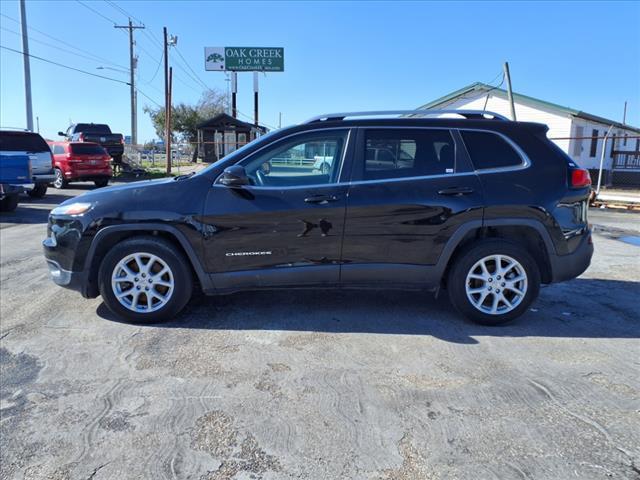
(145, 280)
(493, 282)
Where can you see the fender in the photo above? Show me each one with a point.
(103, 233)
(464, 229)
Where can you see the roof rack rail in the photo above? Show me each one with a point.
(468, 114)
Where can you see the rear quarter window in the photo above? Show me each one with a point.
(488, 150)
(22, 142)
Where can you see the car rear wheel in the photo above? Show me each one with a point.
(39, 191)
(9, 203)
(493, 282)
(103, 182)
(59, 182)
(145, 280)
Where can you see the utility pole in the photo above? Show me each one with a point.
(37, 124)
(27, 66)
(132, 81)
(255, 98)
(624, 115)
(507, 75)
(234, 92)
(167, 103)
(168, 120)
(280, 120)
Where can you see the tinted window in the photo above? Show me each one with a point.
(92, 128)
(307, 159)
(488, 150)
(22, 142)
(401, 153)
(80, 149)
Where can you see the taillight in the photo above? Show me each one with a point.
(580, 178)
(53, 162)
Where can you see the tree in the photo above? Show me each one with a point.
(185, 118)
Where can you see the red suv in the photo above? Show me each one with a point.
(80, 161)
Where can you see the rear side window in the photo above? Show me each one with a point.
(22, 142)
(488, 150)
(80, 149)
(399, 153)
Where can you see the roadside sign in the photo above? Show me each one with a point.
(244, 59)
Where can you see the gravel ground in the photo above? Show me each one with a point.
(320, 384)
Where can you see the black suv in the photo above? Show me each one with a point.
(483, 207)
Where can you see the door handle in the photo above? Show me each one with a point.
(457, 191)
(321, 199)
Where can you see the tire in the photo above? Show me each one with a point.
(325, 169)
(39, 191)
(103, 182)
(59, 182)
(162, 254)
(9, 203)
(467, 281)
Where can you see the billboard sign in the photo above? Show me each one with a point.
(244, 59)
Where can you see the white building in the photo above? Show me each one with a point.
(579, 134)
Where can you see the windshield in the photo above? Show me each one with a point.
(238, 153)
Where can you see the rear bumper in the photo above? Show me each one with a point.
(566, 267)
(44, 178)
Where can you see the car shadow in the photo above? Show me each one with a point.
(569, 309)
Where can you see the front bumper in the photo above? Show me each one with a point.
(572, 265)
(65, 278)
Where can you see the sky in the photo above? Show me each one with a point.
(339, 56)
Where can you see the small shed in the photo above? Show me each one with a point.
(222, 134)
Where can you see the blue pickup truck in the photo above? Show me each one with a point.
(26, 165)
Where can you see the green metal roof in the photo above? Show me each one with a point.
(483, 87)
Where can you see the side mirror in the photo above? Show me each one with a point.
(62, 134)
(234, 176)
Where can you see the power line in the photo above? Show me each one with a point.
(148, 97)
(157, 68)
(64, 66)
(110, 20)
(52, 46)
(118, 8)
(192, 71)
(102, 60)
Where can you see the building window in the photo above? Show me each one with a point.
(594, 143)
(613, 144)
(577, 142)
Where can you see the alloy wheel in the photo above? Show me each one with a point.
(142, 282)
(496, 284)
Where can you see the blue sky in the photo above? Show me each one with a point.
(338, 55)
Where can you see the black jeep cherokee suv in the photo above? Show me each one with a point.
(483, 207)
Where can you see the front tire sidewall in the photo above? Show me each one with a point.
(183, 282)
(456, 281)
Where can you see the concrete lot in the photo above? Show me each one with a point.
(320, 385)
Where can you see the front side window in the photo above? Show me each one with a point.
(307, 159)
(489, 150)
(400, 153)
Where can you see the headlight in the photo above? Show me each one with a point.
(73, 209)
